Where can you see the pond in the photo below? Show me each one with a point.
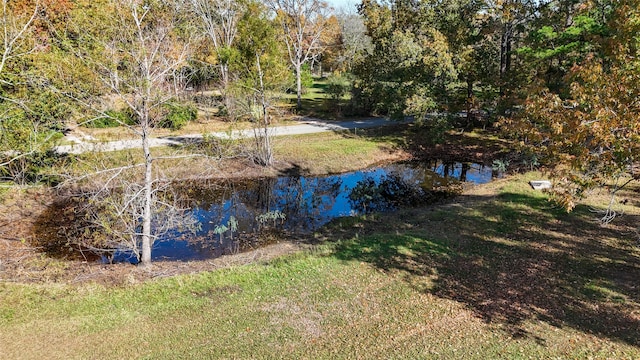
(239, 215)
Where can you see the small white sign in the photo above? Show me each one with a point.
(540, 184)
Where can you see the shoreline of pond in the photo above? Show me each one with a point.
(22, 206)
(236, 215)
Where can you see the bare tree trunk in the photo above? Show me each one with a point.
(147, 240)
(299, 84)
(469, 100)
(265, 115)
(264, 142)
(224, 72)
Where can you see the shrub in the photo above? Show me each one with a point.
(337, 86)
(113, 118)
(435, 127)
(32, 168)
(25, 147)
(306, 79)
(48, 109)
(178, 116)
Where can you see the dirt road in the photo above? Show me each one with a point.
(307, 126)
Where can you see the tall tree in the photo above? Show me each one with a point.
(512, 21)
(136, 55)
(472, 40)
(563, 34)
(410, 63)
(219, 21)
(262, 71)
(303, 23)
(592, 133)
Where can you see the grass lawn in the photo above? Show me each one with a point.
(330, 153)
(496, 273)
(315, 102)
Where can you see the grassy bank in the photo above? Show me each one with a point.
(323, 153)
(497, 273)
(330, 153)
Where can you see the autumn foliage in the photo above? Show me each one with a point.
(592, 136)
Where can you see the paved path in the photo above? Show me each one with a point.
(308, 126)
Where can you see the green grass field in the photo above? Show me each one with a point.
(315, 102)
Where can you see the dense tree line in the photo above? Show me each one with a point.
(560, 76)
(60, 57)
(408, 57)
(473, 54)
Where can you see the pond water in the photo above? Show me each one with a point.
(239, 215)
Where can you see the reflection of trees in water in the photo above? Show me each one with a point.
(312, 199)
(406, 185)
(302, 200)
(460, 171)
(308, 203)
(106, 222)
(387, 192)
(463, 172)
(448, 169)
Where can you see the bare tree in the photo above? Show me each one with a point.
(219, 21)
(255, 103)
(261, 116)
(355, 42)
(108, 206)
(138, 65)
(262, 74)
(303, 23)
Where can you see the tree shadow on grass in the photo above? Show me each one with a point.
(511, 259)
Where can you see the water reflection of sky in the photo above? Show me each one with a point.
(307, 202)
(476, 173)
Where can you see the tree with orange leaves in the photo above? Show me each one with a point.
(591, 136)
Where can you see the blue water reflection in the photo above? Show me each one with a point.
(306, 202)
